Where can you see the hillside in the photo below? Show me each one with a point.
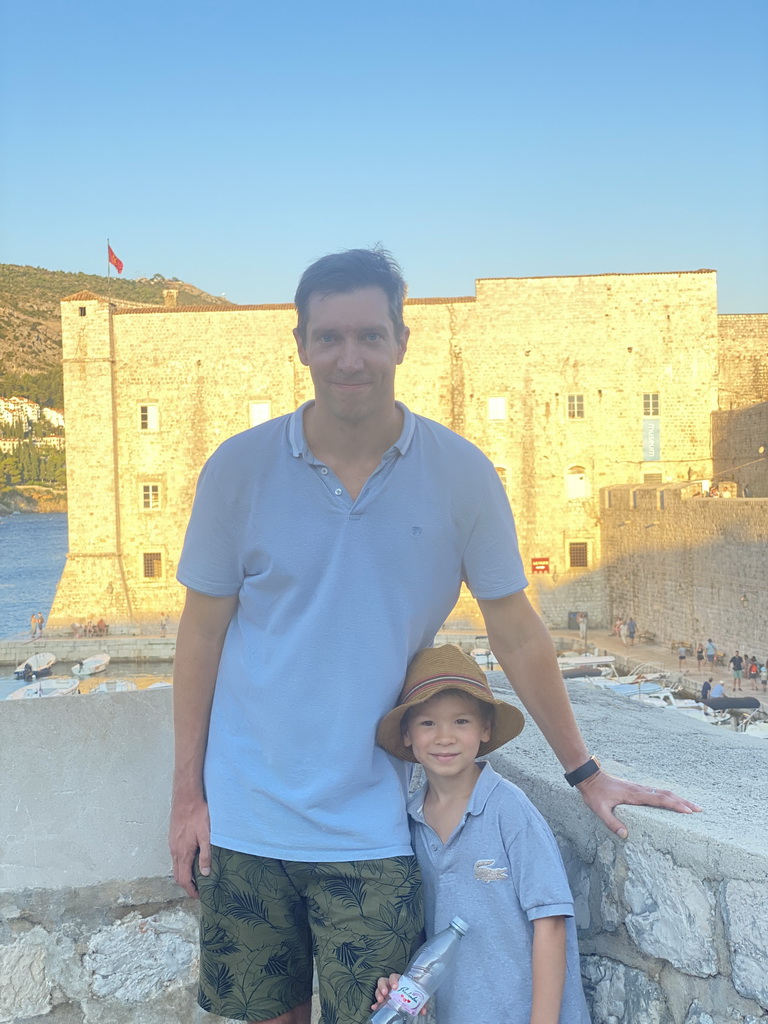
(30, 325)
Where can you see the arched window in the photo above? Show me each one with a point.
(577, 486)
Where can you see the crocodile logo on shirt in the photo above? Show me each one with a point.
(485, 873)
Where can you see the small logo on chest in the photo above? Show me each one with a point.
(485, 873)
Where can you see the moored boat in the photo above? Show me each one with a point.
(91, 666)
(50, 687)
(36, 666)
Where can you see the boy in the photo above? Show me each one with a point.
(485, 853)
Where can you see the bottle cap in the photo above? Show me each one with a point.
(460, 926)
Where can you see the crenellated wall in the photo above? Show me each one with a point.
(673, 923)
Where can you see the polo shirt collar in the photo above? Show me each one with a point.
(300, 449)
(487, 781)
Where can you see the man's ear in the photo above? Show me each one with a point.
(300, 347)
(402, 344)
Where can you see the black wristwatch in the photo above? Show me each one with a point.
(583, 771)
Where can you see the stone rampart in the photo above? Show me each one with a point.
(686, 567)
(673, 923)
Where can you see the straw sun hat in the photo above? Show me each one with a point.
(432, 671)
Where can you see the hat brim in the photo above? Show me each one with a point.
(508, 721)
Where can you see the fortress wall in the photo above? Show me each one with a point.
(690, 570)
(524, 344)
(673, 924)
(740, 447)
(743, 362)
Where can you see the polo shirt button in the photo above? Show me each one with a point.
(324, 470)
(434, 847)
(337, 491)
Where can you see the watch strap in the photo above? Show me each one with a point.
(583, 771)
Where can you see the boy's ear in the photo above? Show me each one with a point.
(407, 742)
(486, 733)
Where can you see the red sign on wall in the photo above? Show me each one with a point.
(539, 565)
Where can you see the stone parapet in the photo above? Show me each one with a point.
(673, 923)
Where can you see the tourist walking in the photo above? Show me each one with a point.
(631, 630)
(737, 668)
(711, 652)
(682, 652)
(624, 633)
(700, 657)
(753, 671)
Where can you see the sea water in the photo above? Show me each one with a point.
(33, 548)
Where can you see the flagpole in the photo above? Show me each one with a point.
(109, 275)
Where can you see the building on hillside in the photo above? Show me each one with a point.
(569, 384)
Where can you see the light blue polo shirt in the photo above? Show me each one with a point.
(499, 871)
(335, 598)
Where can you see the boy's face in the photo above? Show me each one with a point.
(445, 733)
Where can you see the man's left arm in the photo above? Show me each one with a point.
(522, 646)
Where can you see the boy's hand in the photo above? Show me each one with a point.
(384, 986)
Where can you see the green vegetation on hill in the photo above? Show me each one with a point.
(30, 324)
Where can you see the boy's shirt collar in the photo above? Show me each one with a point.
(487, 781)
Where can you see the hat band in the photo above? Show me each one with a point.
(434, 681)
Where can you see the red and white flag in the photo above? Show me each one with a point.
(116, 263)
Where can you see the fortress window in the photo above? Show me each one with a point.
(578, 555)
(576, 407)
(497, 408)
(82, 311)
(153, 565)
(151, 496)
(577, 484)
(259, 412)
(148, 417)
(651, 404)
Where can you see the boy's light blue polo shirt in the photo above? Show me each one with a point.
(335, 598)
(499, 871)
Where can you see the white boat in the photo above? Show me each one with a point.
(91, 666)
(571, 660)
(38, 665)
(115, 686)
(51, 687)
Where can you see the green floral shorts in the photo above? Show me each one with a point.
(263, 920)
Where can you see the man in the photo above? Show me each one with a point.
(319, 542)
(737, 668)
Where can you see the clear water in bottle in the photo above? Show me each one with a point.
(422, 976)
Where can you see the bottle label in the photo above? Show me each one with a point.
(409, 996)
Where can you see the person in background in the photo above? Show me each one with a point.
(718, 690)
(737, 668)
(631, 631)
(706, 686)
(711, 651)
(700, 657)
(682, 652)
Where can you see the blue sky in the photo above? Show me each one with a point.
(230, 144)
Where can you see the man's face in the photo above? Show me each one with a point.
(352, 350)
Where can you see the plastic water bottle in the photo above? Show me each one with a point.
(422, 976)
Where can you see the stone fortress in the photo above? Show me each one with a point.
(604, 402)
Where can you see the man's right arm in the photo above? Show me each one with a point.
(202, 629)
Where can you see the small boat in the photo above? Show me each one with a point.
(570, 660)
(115, 686)
(91, 666)
(37, 666)
(52, 687)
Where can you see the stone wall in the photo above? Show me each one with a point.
(673, 924)
(686, 567)
(740, 447)
(743, 359)
(498, 367)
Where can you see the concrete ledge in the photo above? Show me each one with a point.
(673, 923)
